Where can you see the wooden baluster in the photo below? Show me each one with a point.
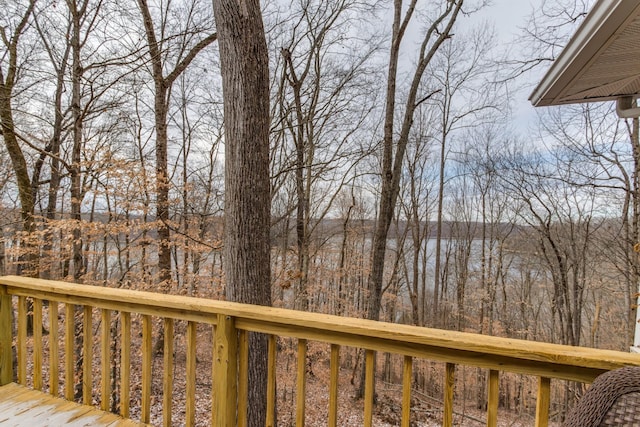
(493, 396)
(191, 375)
(6, 339)
(105, 359)
(542, 402)
(54, 349)
(407, 372)
(271, 382)
(226, 378)
(167, 389)
(125, 363)
(301, 383)
(69, 335)
(370, 378)
(22, 340)
(449, 384)
(214, 410)
(243, 377)
(87, 356)
(147, 360)
(333, 385)
(37, 344)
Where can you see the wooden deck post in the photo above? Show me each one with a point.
(226, 371)
(6, 354)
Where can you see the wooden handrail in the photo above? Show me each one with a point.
(505, 354)
(543, 360)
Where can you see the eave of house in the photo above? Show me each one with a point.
(601, 61)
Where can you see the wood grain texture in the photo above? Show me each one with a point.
(226, 365)
(190, 417)
(105, 359)
(232, 324)
(449, 383)
(54, 349)
(125, 363)
(407, 372)
(22, 340)
(214, 409)
(505, 354)
(147, 365)
(69, 331)
(271, 382)
(333, 385)
(6, 339)
(301, 383)
(37, 344)
(542, 402)
(493, 398)
(167, 375)
(370, 380)
(87, 355)
(20, 406)
(243, 377)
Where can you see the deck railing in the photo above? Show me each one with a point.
(232, 322)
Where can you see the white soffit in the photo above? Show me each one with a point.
(601, 61)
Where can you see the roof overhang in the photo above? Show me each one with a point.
(601, 61)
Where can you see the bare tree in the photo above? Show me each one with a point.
(322, 100)
(602, 152)
(394, 144)
(461, 68)
(169, 59)
(417, 207)
(549, 27)
(9, 72)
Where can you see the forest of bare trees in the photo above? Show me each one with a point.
(400, 187)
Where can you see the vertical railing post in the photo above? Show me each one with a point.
(6, 354)
(226, 371)
(369, 387)
(301, 383)
(493, 398)
(543, 401)
(407, 373)
(449, 384)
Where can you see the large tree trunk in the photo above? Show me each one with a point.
(245, 79)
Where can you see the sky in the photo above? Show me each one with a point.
(509, 17)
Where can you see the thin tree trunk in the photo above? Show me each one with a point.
(26, 194)
(635, 230)
(392, 161)
(162, 94)
(76, 110)
(439, 225)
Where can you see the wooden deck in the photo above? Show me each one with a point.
(20, 406)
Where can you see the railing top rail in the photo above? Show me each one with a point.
(529, 357)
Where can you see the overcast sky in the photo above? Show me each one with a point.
(509, 17)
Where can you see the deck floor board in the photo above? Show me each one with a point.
(20, 406)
